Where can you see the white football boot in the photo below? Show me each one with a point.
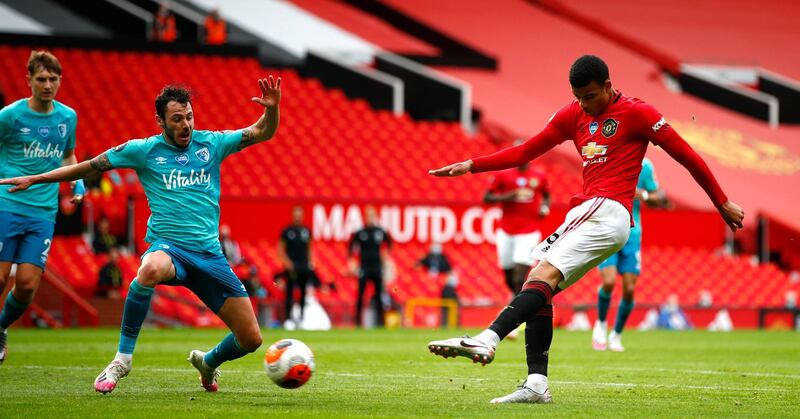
(208, 375)
(531, 391)
(465, 346)
(599, 341)
(615, 342)
(106, 382)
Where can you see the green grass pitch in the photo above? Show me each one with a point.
(389, 373)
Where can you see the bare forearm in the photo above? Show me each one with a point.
(66, 173)
(264, 129)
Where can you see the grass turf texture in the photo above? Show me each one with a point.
(391, 374)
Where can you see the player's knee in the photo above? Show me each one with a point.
(627, 294)
(545, 272)
(150, 274)
(250, 341)
(24, 291)
(628, 288)
(608, 286)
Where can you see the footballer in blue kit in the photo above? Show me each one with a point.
(179, 170)
(37, 134)
(628, 263)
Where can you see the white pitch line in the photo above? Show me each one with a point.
(442, 378)
(676, 371)
(710, 372)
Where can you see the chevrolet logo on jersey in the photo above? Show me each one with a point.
(592, 149)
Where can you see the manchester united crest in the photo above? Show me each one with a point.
(609, 127)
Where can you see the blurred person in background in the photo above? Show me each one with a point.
(247, 272)
(109, 279)
(372, 245)
(215, 29)
(436, 262)
(294, 251)
(230, 248)
(671, 316)
(524, 196)
(164, 27)
(628, 263)
(706, 299)
(103, 240)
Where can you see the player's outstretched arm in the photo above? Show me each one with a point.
(265, 127)
(455, 169)
(679, 150)
(503, 159)
(62, 174)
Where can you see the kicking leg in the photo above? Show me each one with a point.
(536, 292)
(245, 337)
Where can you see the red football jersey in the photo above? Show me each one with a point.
(612, 145)
(520, 216)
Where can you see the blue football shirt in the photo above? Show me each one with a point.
(181, 184)
(32, 143)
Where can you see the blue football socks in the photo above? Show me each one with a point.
(136, 306)
(12, 310)
(603, 302)
(227, 350)
(624, 310)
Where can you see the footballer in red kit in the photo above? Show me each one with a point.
(611, 131)
(524, 197)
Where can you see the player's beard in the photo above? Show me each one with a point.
(172, 137)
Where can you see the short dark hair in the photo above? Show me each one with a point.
(43, 60)
(172, 92)
(587, 69)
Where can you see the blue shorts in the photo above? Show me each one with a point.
(207, 275)
(629, 259)
(25, 239)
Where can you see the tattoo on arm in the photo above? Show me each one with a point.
(101, 163)
(248, 138)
